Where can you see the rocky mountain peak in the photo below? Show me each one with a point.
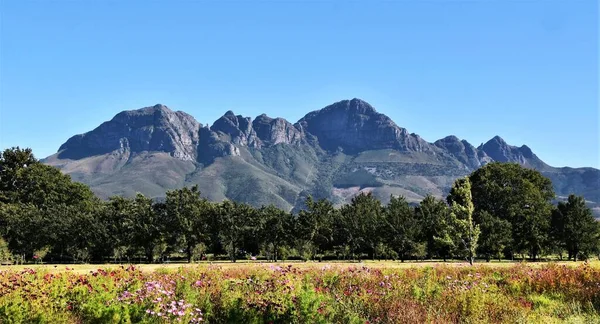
(154, 128)
(354, 125)
(498, 150)
(461, 150)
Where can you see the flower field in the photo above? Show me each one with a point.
(304, 294)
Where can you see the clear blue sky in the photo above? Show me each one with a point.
(524, 70)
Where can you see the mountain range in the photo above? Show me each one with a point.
(335, 153)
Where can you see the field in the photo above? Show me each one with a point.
(372, 292)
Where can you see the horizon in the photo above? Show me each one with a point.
(527, 71)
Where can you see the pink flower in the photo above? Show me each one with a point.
(253, 258)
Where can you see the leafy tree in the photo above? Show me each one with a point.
(401, 228)
(496, 235)
(518, 195)
(275, 228)
(433, 217)
(12, 161)
(116, 219)
(146, 226)
(315, 224)
(235, 221)
(461, 206)
(364, 219)
(188, 214)
(575, 227)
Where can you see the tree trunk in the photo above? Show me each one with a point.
(189, 253)
(149, 255)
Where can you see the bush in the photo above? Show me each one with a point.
(5, 254)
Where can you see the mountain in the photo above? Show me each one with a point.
(335, 153)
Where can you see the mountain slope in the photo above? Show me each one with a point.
(335, 153)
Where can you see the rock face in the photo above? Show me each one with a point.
(463, 151)
(354, 126)
(498, 150)
(273, 131)
(155, 128)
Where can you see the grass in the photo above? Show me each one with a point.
(86, 268)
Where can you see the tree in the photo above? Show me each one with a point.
(275, 228)
(496, 235)
(188, 214)
(461, 206)
(11, 162)
(147, 226)
(518, 195)
(433, 217)
(400, 227)
(235, 221)
(364, 220)
(576, 228)
(315, 224)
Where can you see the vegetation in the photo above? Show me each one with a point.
(500, 210)
(307, 294)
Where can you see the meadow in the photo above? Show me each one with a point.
(312, 292)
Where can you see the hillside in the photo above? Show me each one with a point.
(335, 153)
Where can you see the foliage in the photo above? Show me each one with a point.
(315, 294)
(575, 228)
(461, 204)
(500, 209)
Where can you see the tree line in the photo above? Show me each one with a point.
(501, 210)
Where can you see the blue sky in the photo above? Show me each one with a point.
(524, 70)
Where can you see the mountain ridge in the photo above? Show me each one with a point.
(333, 152)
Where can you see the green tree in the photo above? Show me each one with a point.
(496, 235)
(576, 228)
(315, 224)
(12, 161)
(436, 231)
(364, 218)
(401, 228)
(461, 213)
(147, 226)
(235, 220)
(275, 228)
(518, 195)
(189, 216)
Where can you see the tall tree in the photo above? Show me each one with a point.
(12, 161)
(401, 228)
(236, 221)
(576, 228)
(188, 213)
(518, 195)
(275, 228)
(315, 224)
(147, 226)
(433, 217)
(461, 207)
(364, 217)
(496, 235)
